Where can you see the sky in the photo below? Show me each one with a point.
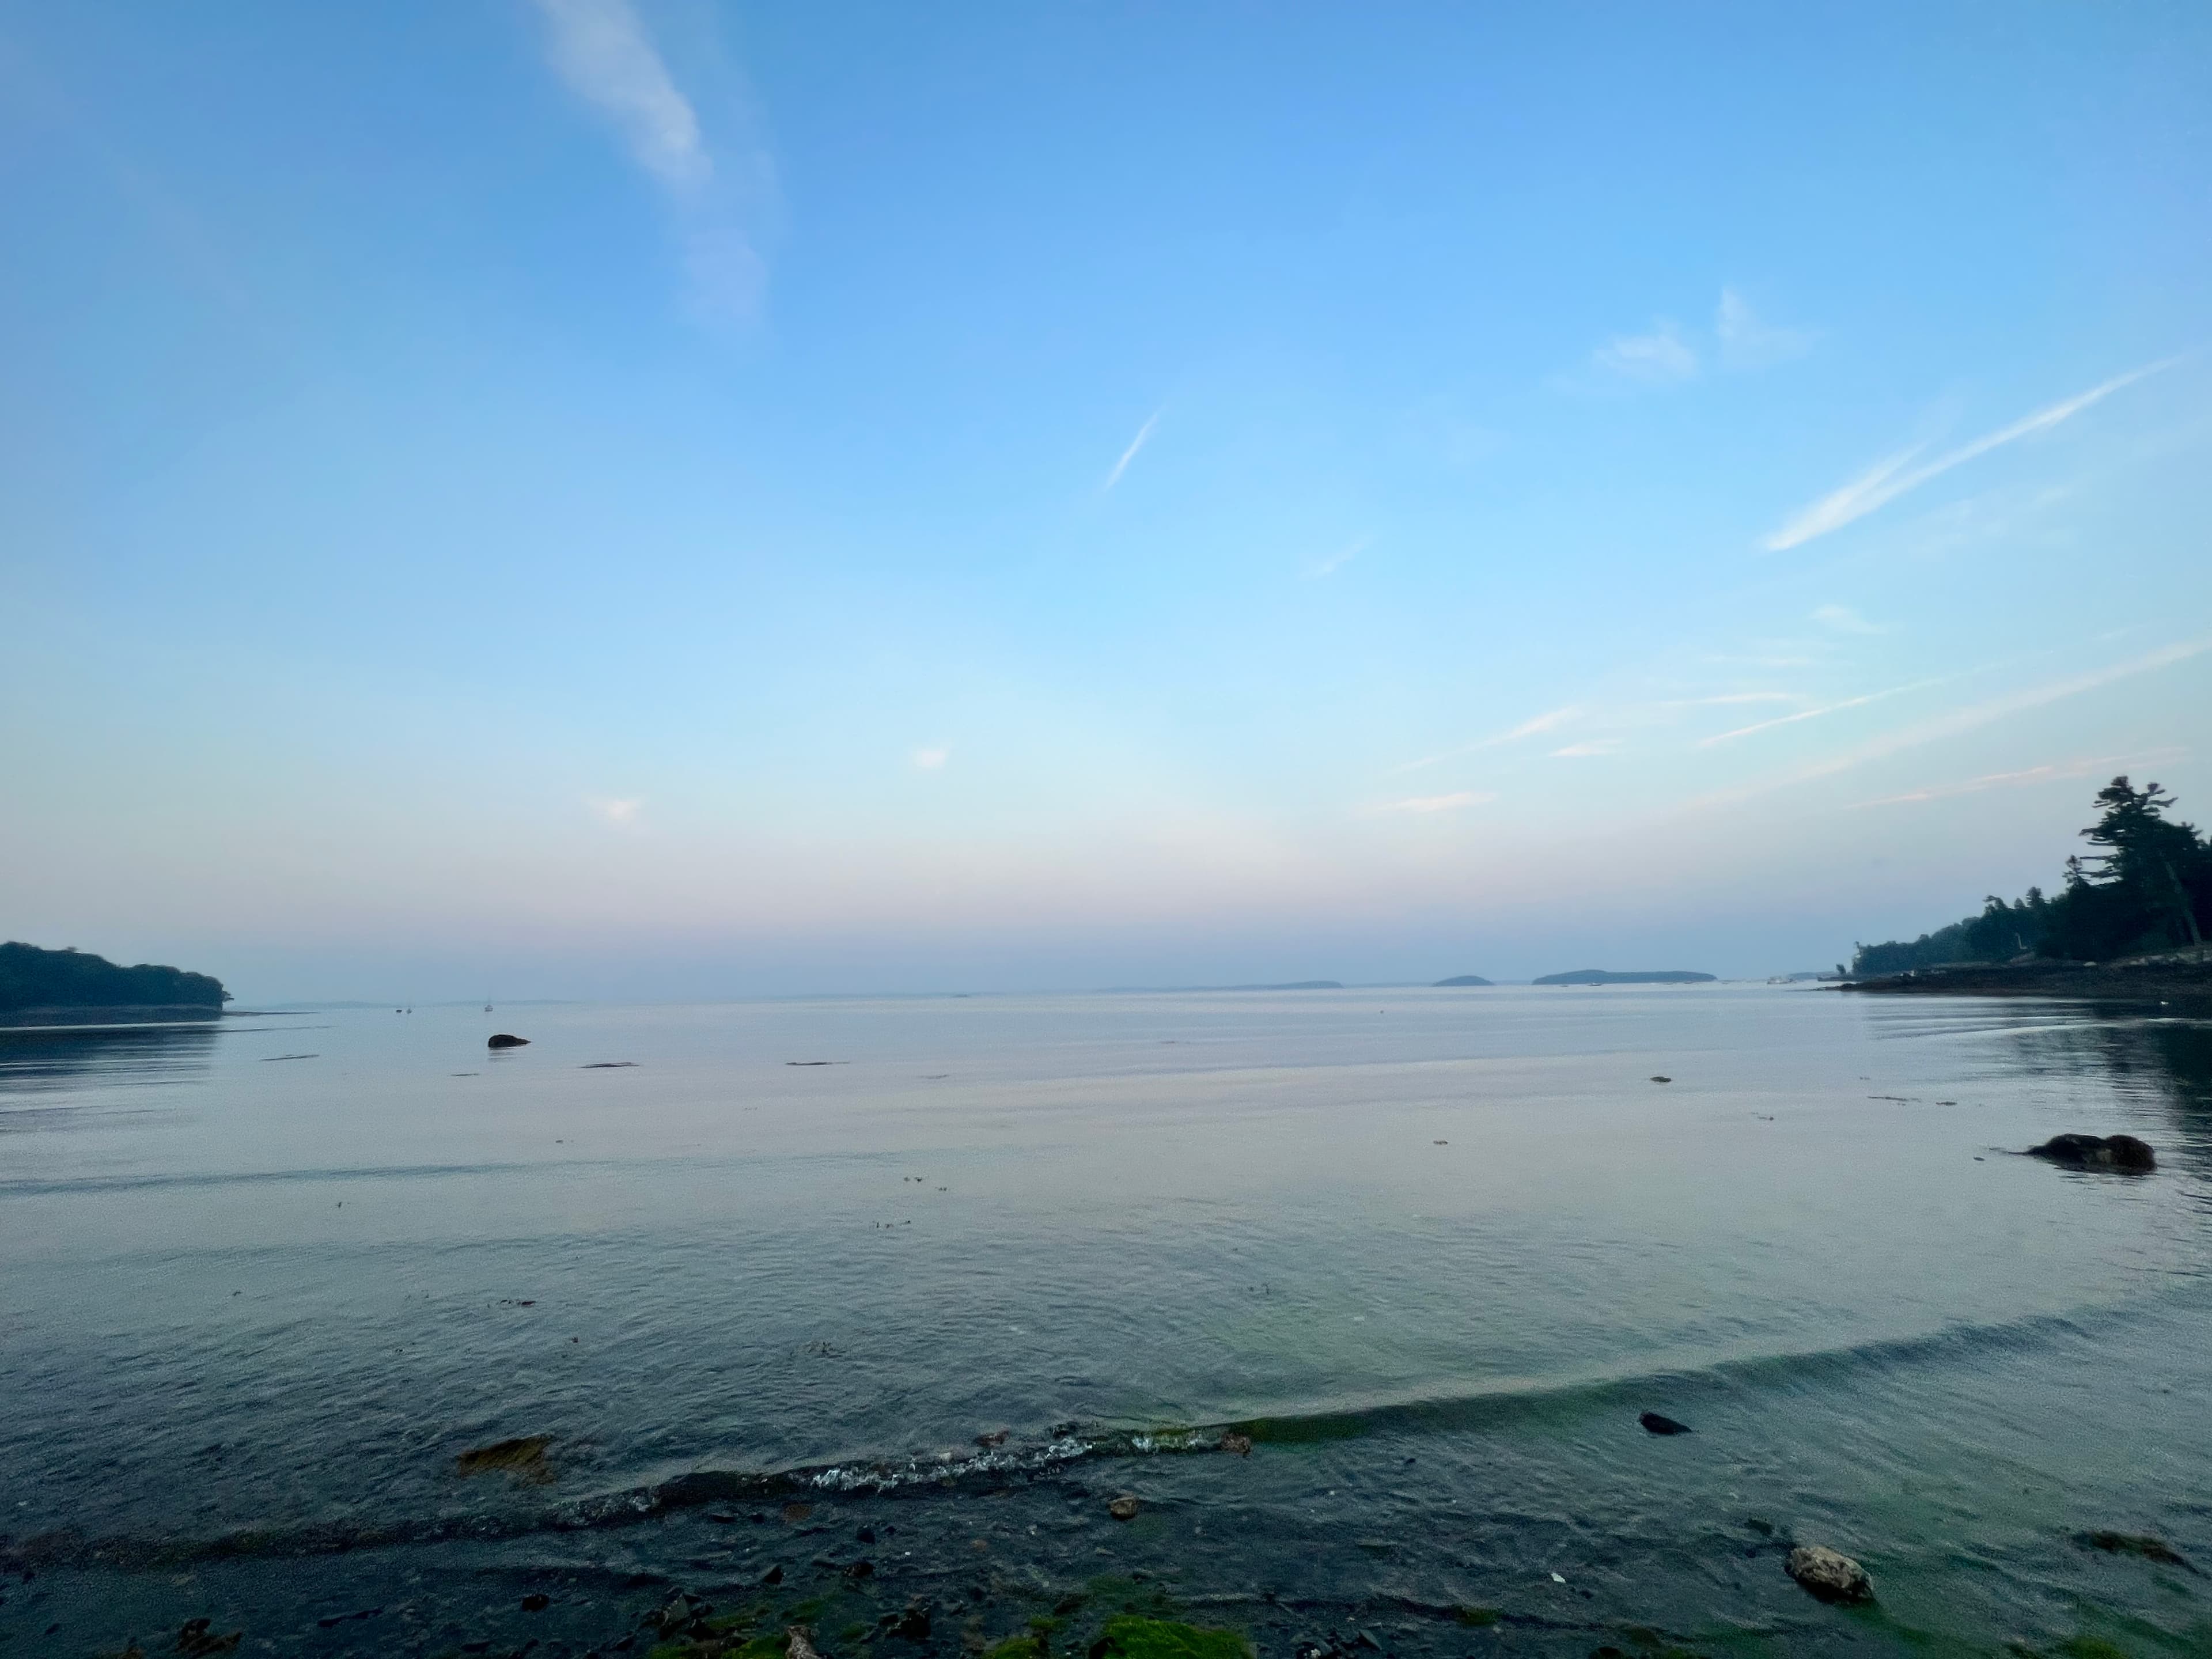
(659, 498)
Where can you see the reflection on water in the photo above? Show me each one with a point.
(37, 1063)
(2154, 1061)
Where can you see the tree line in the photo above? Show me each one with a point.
(33, 978)
(2146, 885)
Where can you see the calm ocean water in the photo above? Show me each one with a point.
(1434, 1250)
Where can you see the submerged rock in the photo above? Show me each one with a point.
(683, 1618)
(523, 1458)
(2098, 1152)
(506, 1040)
(1239, 1443)
(913, 1625)
(1829, 1575)
(198, 1640)
(1655, 1424)
(1123, 1508)
(2142, 1544)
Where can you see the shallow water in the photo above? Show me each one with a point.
(1435, 1250)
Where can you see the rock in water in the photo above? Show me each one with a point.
(503, 1041)
(198, 1640)
(914, 1624)
(802, 1643)
(523, 1458)
(1828, 1575)
(1655, 1424)
(1123, 1508)
(2098, 1152)
(2130, 1543)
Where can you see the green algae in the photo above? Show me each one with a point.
(1133, 1638)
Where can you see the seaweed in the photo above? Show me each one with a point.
(1131, 1637)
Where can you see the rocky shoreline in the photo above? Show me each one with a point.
(2168, 977)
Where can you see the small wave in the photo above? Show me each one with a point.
(991, 1467)
(258, 1177)
(1069, 1444)
(1502, 1405)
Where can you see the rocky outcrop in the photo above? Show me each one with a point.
(503, 1040)
(2122, 1152)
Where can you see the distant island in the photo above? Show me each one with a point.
(1603, 976)
(2131, 916)
(31, 977)
(1465, 979)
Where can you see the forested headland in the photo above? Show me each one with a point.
(31, 977)
(2145, 886)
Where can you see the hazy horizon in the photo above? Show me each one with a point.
(667, 500)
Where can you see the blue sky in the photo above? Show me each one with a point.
(654, 498)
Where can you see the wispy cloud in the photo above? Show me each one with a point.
(931, 760)
(1130, 453)
(2033, 774)
(1844, 620)
(616, 812)
(602, 48)
(1746, 341)
(1527, 728)
(1655, 359)
(1666, 355)
(1594, 747)
(1336, 561)
(1887, 479)
(1418, 804)
(1962, 720)
(1815, 713)
(1727, 698)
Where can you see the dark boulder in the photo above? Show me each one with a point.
(503, 1041)
(1655, 1424)
(913, 1625)
(2098, 1152)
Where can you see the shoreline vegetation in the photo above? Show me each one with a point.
(2129, 921)
(75, 982)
